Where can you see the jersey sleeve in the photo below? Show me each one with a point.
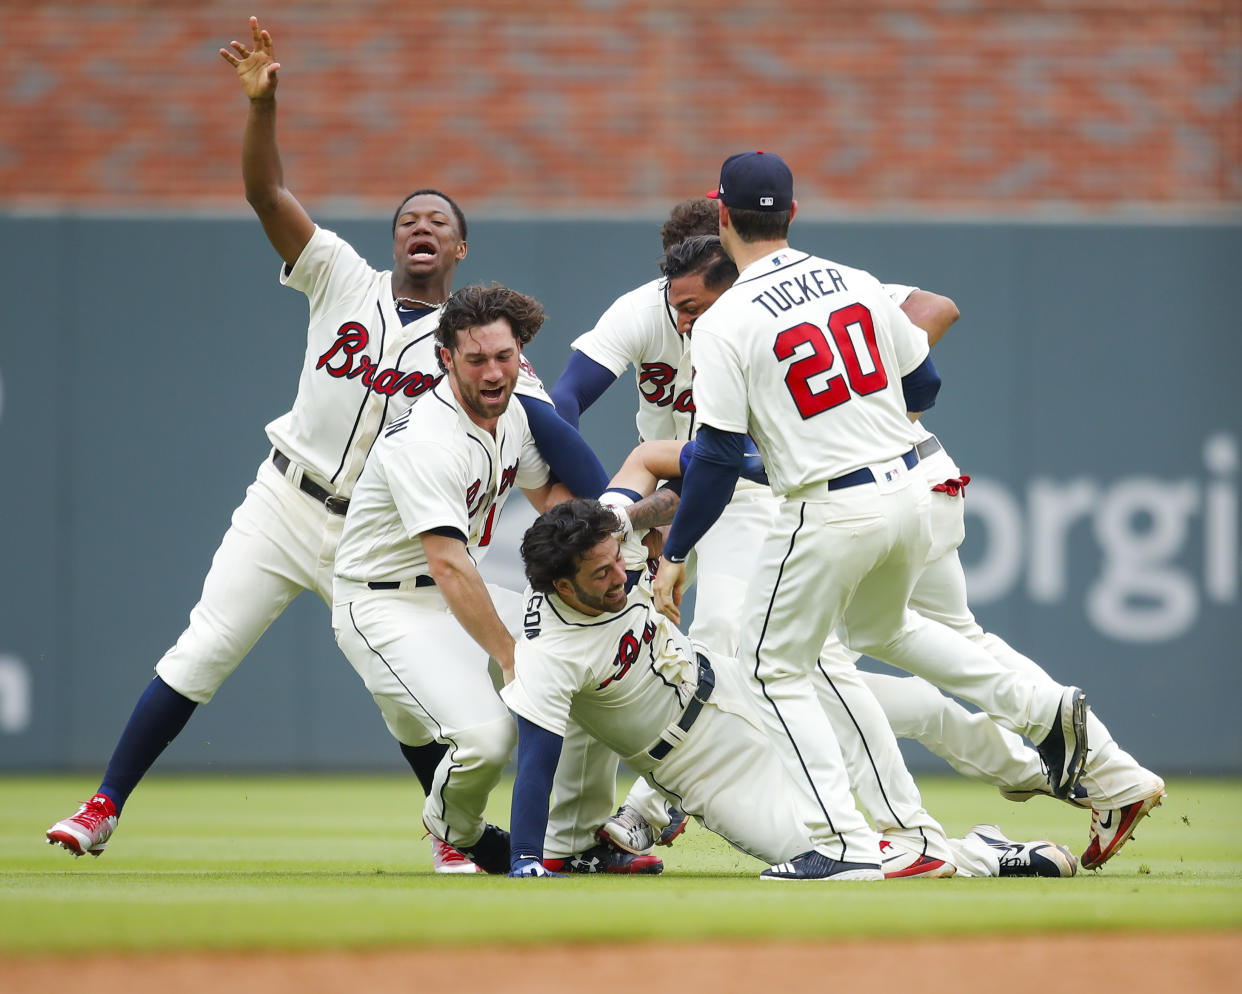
(618, 338)
(327, 270)
(898, 293)
(720, 392)
(533, 471)
(543, 686)
(564, 449)
(428, 486)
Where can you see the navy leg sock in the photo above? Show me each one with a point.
(158, 718)
(423, 761)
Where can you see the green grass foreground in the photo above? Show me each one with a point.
(258, 862)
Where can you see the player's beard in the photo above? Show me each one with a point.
(473, 399)
(600, 602)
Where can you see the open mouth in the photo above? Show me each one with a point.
(423, 250)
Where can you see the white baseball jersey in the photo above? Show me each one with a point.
(797, 337)
(362, 366)
(640, 330)
(433, 468)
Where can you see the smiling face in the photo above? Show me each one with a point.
(598, 586)
(690, 297)
(426, 241)
(483, 370)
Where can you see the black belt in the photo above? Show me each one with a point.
(335, 504)
(707, 683)
(419, 581)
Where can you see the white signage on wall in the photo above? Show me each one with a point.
(15, 703)
(1141, 531)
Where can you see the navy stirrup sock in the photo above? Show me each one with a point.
(158, 718)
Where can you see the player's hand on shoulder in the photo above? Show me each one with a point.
(256, 66)
(531, 868)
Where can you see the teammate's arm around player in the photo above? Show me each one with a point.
(285, 221)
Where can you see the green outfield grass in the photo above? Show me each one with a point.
(256, 862)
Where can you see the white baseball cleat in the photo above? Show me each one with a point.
(88, 829)
(629, 831)
(446, 859)
(1027, 859)
(1112, 827)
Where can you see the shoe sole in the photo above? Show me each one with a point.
(1077, 760)
(459, 870)
(939, 869)
(662, 841)
(605, 836)
(1140, 809)
(1022, 796)
(843, 876)
(73, 844)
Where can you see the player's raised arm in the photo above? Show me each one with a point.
(286, 223)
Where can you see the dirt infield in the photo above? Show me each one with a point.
(1136, 963)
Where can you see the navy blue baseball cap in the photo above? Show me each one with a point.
(755, 181)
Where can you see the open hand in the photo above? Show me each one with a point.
(256, 66)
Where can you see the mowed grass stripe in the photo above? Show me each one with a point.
(256, 862)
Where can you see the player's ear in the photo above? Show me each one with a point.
(793, 209)
(446, 358)
(724, 215)
(561, 586)
(461, 251)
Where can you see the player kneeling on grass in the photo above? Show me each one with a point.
(594, 645)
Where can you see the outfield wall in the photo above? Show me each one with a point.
(1088, 391)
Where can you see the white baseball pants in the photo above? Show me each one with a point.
(281, 542)
(431, 681)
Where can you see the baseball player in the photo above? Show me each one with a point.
(410, 610)
(595, 648)
(820, 367)
(972, 743)
(369, 355)
(640, 330)
(650, 330)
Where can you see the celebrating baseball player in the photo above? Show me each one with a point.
(678, 713)
(411, 611)
(820, 367)
(974, 744)
(370, 354)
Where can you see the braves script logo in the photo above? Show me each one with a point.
(345, 359)
(655, 384)
(627, 652)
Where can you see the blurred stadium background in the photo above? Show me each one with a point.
(1069, 172)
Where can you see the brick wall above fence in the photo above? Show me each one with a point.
(954, 106)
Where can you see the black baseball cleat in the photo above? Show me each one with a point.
(1064, 748)
(606, 858)
(815, 865)
(491, 852)
(1027, 859)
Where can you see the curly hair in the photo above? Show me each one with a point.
(474, 306)
(554, 545)
(696, 216)
(702, 254)
(457, 211)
